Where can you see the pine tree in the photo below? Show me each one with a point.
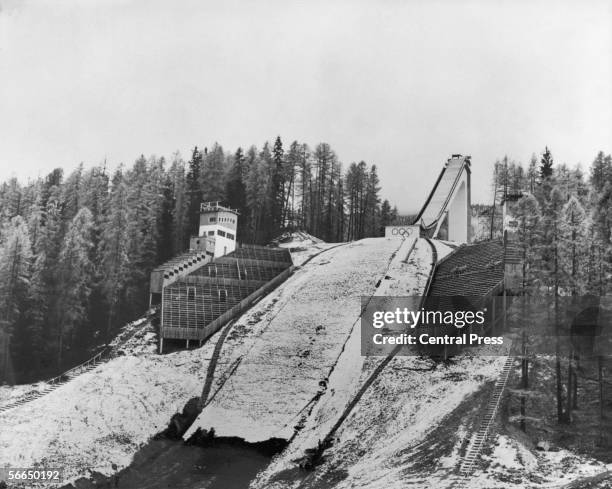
(211, 176)
(235, 190)
(36, 338)
(257, 193)
(385, 216)
(601, 197)
(571, 274)
(93, 194)
(114, 260)
(577, 185)
(180, 217)
(572, 245)
(518, 179)
(194, 194)
(265, 226)
(70, 194)
(322, 162)
(601, 171)
(45, 235)
(143, 202)
(277, 187)
(532, 174)
(11, 200)
(291, 165)
(246, 220)
(75, 277)
(546, 165)
(339, 210)
(528, 216)
(550, 247)
(372, 205)
(305, 194)
(15, 274)
(165, 220)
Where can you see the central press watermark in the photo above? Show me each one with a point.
(450, 325)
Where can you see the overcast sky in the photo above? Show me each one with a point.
(402, 84)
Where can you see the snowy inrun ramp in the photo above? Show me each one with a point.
(301, 333)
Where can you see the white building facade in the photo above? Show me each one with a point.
(219, 223)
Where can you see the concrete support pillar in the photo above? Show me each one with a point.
(459, 212)
(459, 215)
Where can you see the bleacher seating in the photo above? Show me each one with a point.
(472, 270)
(200, 297)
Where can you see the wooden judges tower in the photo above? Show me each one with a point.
(216, 280)
(219, 224)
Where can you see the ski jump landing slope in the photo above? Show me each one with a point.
(301, 332)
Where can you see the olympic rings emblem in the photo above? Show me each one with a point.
(401, 232)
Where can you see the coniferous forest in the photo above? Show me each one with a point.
(564, 222)
(564, 235)
(76, 250)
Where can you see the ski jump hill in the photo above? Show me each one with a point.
(288, 368)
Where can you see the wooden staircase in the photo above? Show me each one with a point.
(478, 440)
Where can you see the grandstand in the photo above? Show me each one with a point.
(217, 279)
(197, 304)
(472, 270)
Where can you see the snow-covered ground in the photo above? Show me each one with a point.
(511, 465)
(102, 417)
(303, 246)
(402, 408)
(299, 341)
(378, 446)
(135, 338)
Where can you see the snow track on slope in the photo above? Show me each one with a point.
(288, 362)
